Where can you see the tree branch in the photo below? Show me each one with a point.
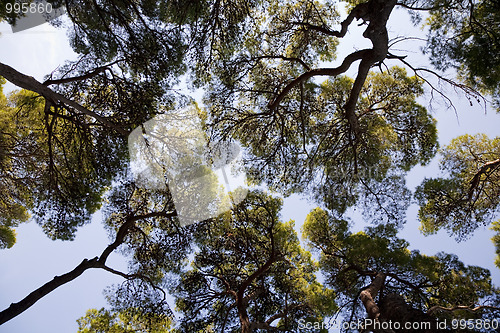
(358, 12)
(125, 227)
(29, 83)
(470, 92)
(300, 61)
(368, 295)
(17, 308)
(274, 258)
(474, 183)
(462, 307)
(346, 64)
(98, 262)
(86, 76)
(376, 12)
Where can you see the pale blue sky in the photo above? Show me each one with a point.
(35, 259)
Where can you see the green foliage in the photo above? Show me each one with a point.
(7, 236)
(156, 244)
(469, 195)
(466, 35)
(305, 145)
(129, 56)
(257, 61)
(14, 194)
(15, 198)
(261, 40)
(496, 240)
(105, 321)
(50, 164)
(138, 33)
(249, 264)
(350, 260)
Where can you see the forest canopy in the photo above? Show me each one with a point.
(342, 130)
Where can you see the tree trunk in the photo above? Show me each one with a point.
(246, 325)
(368, 296)
(394, 308)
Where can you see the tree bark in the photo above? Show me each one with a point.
(394, 308)
(368, 296)
(246, 325)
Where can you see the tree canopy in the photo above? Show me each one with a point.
(272, 83)
(469, 196)
(411, 287)
(105, 321)
(250, 271)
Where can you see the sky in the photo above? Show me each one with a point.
(35, 260)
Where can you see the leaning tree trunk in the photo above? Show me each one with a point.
(368, 297)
